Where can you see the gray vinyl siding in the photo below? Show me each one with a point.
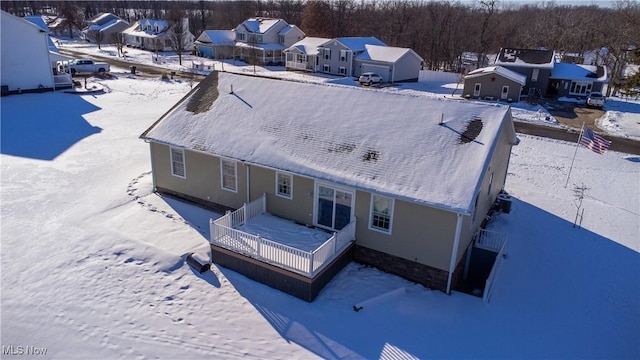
(541, 84)
(334, 61)
(419, 233)
(492, 88)
(293, 36)
(202, 178)
(406, 68)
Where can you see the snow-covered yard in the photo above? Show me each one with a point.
(92, 261)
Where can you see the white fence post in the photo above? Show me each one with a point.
(311, 264)
(244, 213)
(258, 247)
(264, 203)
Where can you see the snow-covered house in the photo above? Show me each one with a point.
(469, 61)
(215, 44)
(303, 55)
(576, 80)
(262, 40)
(158, 35)
(27, 68)
(337, 56)
(392, 63)
(60, 27)
(535, 64)
(494, 82)
(104, 25)
(396, 181)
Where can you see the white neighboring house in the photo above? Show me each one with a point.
(27, 68)
(157, 35)
(303, 55)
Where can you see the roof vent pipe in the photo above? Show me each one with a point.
(231, 89)
(441, 119)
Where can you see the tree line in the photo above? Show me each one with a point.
(439, 31)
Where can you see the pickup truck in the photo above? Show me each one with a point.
(78, 66)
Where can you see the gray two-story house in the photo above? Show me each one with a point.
(535, 64)
(336, 56)
(262, 40)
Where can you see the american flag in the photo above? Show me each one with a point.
(593, 141)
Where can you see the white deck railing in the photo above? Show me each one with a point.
(224, 234)
(488, 287)
(296, 65)
(490, 240)
(62, 80)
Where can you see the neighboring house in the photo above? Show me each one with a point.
(57, 59)
(536, 65)
(27, 68)
(59, 27)
(494, 82)
(105, 25)
(158, 35)
(303, 55)
(468, 61)
(337, 56)
(215, 44)
(262, 40)
(575, 80)
(409, 178)
(392, 63)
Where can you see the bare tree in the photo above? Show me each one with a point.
(117, 39)
(178, 36)
(72, 15)
(97, 36)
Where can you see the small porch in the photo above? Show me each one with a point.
(293, 258)
(484, 260)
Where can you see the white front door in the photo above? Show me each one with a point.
(334, 207)
(505, 92)
(476, 89)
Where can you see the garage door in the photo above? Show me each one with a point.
(378, 69)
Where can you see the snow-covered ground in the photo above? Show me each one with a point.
(92, 262)
(622, 117)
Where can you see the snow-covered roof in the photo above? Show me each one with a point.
(376, 141)
(287, 29)
(308, 45)
(385, 53)
(103, 18)
(579, 72)
(358, 43)
(259, 25)
(260, 46)
(217, 37)
(526, 58)
(147, 27)
(499, 70)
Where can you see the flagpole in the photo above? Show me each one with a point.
(574, 154)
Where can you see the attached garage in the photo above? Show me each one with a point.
(494, 83)
(382, 70)
(391, 63)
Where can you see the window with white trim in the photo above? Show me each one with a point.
(381, 213)
(327, 54)
(177, 163)
(284, 185)
(281, 39)
(342, 70)
(326, 68)
(229, 175)
(534, 74)
(241, 36)
(343, 55)
(580, 87)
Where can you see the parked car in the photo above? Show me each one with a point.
(78, 66)
(596, 99)
(370, 78)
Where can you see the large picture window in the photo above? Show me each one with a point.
(580, 88)
(229, 175)
(381, 214)
(177, 163)
(284, 185)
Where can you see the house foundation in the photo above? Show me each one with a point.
(423, 274)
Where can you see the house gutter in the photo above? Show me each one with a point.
(454, 251)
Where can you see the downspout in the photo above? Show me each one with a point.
(454, 252)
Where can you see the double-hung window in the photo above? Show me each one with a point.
(177, 163)
(229, 175)
(284, 185)
(381, 214)
(343, 55)
(327, 54)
